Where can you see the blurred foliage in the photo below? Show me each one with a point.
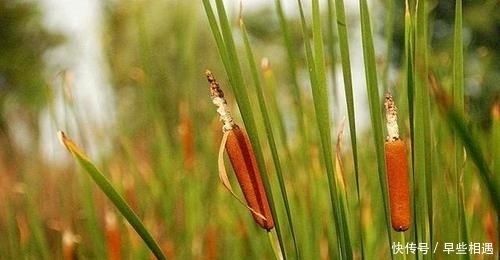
(167, 133)
(157, 59)
(22, 46)
(481, 53)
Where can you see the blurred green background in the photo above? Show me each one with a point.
(158, 135)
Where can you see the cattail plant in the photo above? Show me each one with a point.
(396, 162)
(242, 158)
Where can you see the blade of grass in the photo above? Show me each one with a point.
(316, 65)
(292, 67)
(312, 78)
(269, 133)
(92, 221)
(375, 106)
(345, 59)
(35, 226)
(10, 249)
(409, 63)
(214, 27)
(457, 123)
(331, 41)
(495, 138)
(409, 71)
(390, 10)
(458, 100)
(422, 141)
(112, 194)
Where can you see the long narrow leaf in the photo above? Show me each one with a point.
(421, 130)
(112, 194)
(316, 64)
(270, 136)
(374, 104)
(292, 67)
(345, 59)
(457, 123)
(458, 101)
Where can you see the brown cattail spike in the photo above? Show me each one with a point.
(396, 161)
(242, 157)
(397, 176)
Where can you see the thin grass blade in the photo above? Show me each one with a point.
(457, 122)
(317, 73)
(374, 105)
(270, 137)
(292, 70)
(421, 130)
(112, 194)
(345, 59)
(458, 101)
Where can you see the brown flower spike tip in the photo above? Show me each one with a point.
(241, 155)
(396, 162)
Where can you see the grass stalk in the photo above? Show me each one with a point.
(374, 105)
(113, 195)
(345, 60)
(269, 133)
(35, 226)
(457, 123)
(421, 131)
(390, 12)
(458, 101)
(92, 223)
(317, 74)
(292, 63)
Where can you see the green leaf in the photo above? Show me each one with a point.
(112, 194)
(375, 106)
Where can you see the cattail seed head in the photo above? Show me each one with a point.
(242, 158)
(241, 155)
(397, 175)
(396, 162)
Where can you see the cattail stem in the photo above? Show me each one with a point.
(242, 158)
(396, 161)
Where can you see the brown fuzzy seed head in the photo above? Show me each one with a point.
(243, 160)
(397, 176)
(215, 90)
